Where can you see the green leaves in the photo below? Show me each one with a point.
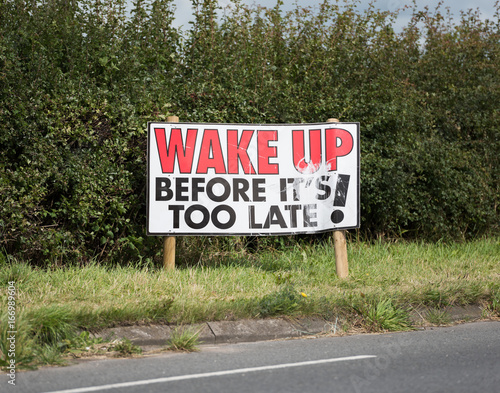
(79, 82)
(383, 315)
(286, 301)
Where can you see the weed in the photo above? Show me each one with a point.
(438, 317)
(49, 354)
(14, 272)
(158, 310)
(84, 344)
(125, 348)
(24, 345)
(283, 278)
(284, 302)
(384, 315)
(51, 325)
(184, 339)
(81, 344)
(494, 306)
(434, 297)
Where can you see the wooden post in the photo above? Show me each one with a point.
(169, 253)
(340, 244)
(169, 241)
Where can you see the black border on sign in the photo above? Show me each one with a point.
(358, 158)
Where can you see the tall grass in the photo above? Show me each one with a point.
(384, 279)
(94, 295)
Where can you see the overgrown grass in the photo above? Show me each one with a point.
(438, 317)
(386, 280)
(184, 339)
(383, 315)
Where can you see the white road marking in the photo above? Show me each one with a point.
(212, 374)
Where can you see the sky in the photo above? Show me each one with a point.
(486, 7)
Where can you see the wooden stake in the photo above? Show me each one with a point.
(340, 244)
(169, 241)
(169, 253)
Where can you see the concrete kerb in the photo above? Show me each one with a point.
(222, 331)
(252, 330)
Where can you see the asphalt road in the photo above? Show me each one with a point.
(462, 358)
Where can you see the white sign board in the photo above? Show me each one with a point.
(252, 179)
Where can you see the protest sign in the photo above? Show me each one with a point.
(252, 179)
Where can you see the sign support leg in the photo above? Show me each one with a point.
(340, 244)
(169, 252)
(169, 241)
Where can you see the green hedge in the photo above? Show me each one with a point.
(79, 80)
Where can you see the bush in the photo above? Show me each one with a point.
(80, 80)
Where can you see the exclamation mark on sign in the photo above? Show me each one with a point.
(340, 197)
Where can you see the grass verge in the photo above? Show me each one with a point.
(386, 281)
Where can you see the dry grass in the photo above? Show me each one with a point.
(386, 280)
(434, 274)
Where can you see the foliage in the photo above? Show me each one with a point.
(14, 272)
(51, 324)
(54, 305)
(79, 80)
(184, 339)
(86, 345)
(438, 317)
(79, 343)
(49, 355)
(286, 301)
(24, 343)
(383, 315)
(494, 307)
(125, 347)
